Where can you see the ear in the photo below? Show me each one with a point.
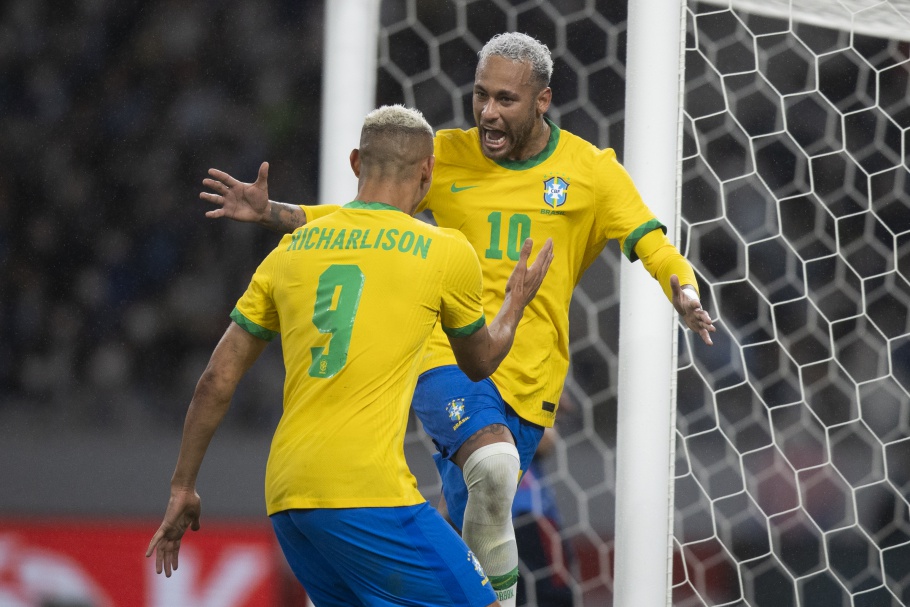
(355, 162)
(544, 98)
(426, 169)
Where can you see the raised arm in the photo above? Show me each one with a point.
(249, 202)
(233, 356)
(479, 355)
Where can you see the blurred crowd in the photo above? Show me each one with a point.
(113, 284)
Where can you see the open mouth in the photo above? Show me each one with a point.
(494, 139)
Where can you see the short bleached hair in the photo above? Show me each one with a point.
(520, 48)
(393, 141)
(397, 117)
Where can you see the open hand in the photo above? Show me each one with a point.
(525, 280)
(689, 308)
(183, 510)
(247, 202)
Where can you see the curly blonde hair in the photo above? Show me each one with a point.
(520, 48)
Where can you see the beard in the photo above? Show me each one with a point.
(502, 140)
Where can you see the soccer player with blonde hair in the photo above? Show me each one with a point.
(515, 175)
(355, 296)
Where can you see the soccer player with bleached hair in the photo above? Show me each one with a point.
(355, 296)
(515, 175)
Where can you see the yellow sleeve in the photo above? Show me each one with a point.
(255, 310)
(314, 212)
(621, 213)
(661, 259)
(462, 314)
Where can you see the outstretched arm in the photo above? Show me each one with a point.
(479, 355)
(249, 202)
(233, 355)
(667, 265)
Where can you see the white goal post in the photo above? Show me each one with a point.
(348, 91)
(644, 438)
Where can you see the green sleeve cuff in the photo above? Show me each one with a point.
(628, 247)
(252, 328)
(467, 331)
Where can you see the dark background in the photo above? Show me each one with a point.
(113, 285)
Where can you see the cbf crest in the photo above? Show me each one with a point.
(455, 409)
(554, 191)
(473, 560)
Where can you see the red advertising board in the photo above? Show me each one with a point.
(103, 564)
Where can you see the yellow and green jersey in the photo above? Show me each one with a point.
(572, 192)
(354, 296)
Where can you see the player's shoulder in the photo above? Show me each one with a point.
(456, 140)
(580, 145)
(455, 135)
(449, 247)
(455, 242)
(585, 155)
(318, 211)
(456, 237)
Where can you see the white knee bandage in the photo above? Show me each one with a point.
(491, 474)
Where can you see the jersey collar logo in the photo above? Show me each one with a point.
(554, 191)
(455, 189)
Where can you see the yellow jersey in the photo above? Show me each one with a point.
(355, 296)
(572, 192)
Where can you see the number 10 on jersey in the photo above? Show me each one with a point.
(519, 231)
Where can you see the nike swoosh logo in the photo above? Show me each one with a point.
(455, 189)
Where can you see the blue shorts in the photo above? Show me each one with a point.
(452, 408)
(364, 557)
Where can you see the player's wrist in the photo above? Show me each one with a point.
(183, 488)
(266, 216)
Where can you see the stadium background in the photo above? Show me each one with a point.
(114, 286)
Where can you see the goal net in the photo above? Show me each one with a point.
(792, 473)
(793, 432)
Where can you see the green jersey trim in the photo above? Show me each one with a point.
(252, 328)
(533, 161)
(467, 331)
(372, 206)
(628, 248)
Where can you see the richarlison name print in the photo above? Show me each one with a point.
(313, 237)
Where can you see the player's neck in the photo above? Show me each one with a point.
(537, 142)
(394, 193)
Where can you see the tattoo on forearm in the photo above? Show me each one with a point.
(285, 218)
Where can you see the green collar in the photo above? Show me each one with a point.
(373, 206)
(533, 161)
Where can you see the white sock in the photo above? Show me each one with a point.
(491, 474)
(507, 596)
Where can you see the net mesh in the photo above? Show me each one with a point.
(793, 432)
